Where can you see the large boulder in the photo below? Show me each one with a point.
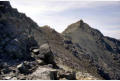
(44, 73)
(47, 55)
(46, 52)
(45, 48)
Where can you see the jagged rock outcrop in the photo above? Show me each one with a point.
(28, 51)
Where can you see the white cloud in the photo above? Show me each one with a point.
(43, 6)
(47, 6)
(112, 33)
(44, 12)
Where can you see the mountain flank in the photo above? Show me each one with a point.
(31, 52)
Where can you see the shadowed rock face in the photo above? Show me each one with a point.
(81, 51)
(102, 50)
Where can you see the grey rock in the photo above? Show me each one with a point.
(26, 67)
(7, 78)
(49, 66)
(41, 56)
(46, 52)
(85, 76)
(66, 75)
(13, 78)
(40, 62)
(20, 65)
(43, 73)
(44, 48)
(36, 51)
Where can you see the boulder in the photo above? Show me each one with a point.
(44, 48)
(84, 76)
(6, 70)
(22, 77)
(40, 62)
(46, 52)
(20, 65)
(7, 78)
(43, 73)
(49, 66)
(35, 51)
(62, 74)
(26, 67)
(13, 78)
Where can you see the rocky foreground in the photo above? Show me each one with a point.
(30, 52)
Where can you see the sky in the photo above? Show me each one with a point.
(58, 14)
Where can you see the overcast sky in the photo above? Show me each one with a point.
(102, 15)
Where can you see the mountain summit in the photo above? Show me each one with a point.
(31, 52)
(103, 50)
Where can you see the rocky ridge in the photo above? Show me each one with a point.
(30, 52)
(104, 52)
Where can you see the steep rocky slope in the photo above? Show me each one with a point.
(104, 51)
(28, 51)
(26, 48)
